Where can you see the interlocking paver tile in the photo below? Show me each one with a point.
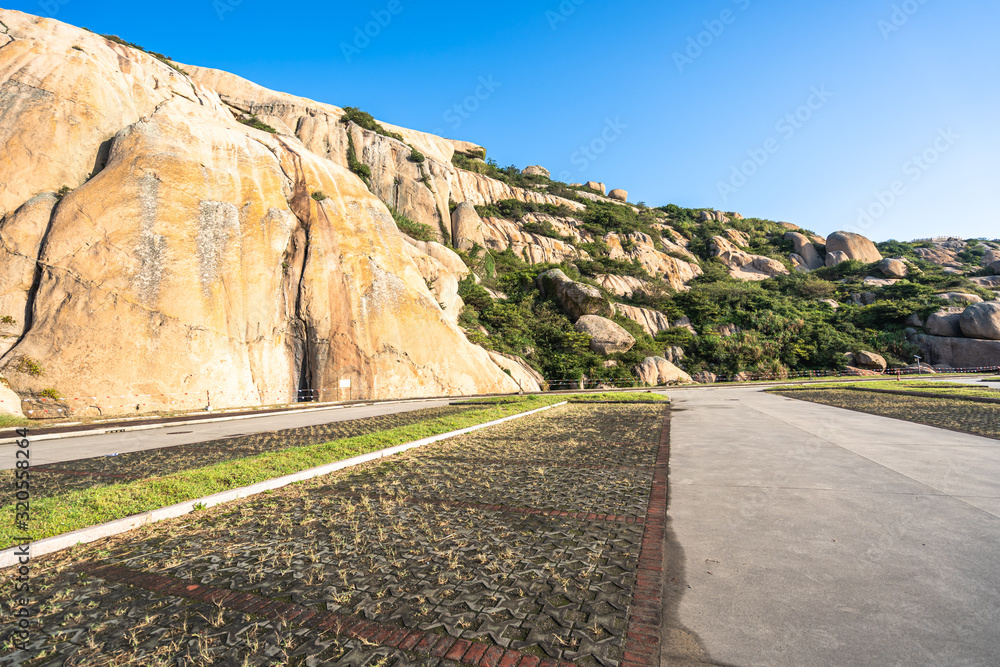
(431, 577)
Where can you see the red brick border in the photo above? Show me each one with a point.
(584, 516)
(642, 645)
(350, 627)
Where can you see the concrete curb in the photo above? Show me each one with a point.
(9, 557)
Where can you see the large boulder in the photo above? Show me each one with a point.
(854, 246)
(684, 323)
(675, 355)
(533, 248)
(989, 282)
(576, 299)
(466, 227)
(893, 268)
(653, 321)
(870, 360)
(992, 260)
(640, 247)
(625, 286)
(526, 377)
(619, 195)
(805, 250)
(743, 265)
(705, 377)
(940, 256)
(535, 170)
(656, 371)
(833, 258)
(597, 187)
(961, 298)
(737, 238)
(606, 337)
(10, 402)
(713, 216)
(982, 321)
(959, 352)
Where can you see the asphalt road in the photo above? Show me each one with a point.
(70, 449)
(803, 534)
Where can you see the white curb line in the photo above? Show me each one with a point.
(9, 557)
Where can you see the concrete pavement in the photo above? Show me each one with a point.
(79, 447)
(808, 535)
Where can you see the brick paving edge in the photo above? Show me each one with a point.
(642, 644)
(10, 557)
(348, 627)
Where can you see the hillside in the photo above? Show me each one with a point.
(173, 234)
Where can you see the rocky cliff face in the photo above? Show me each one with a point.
(154, 245)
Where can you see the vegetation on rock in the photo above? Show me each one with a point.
(414, 230)
(783, 324)
(166, 60)
(365, 120)
(256, 123)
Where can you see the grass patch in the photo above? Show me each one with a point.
(7, 421)
(918, 387)
(415, 230)
(87, 507)
(624, 397)
(954, 414)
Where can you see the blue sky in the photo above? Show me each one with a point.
(866, 115)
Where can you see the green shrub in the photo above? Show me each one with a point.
(414, 230)
(7, 319)
(365, 120)
(545, 228)
(63, 191)
(29, 366)
(319, 196)
(514, 209)
(166, 60)
(256, 123)
(50, 394)
(362, 170)
(416, 156)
